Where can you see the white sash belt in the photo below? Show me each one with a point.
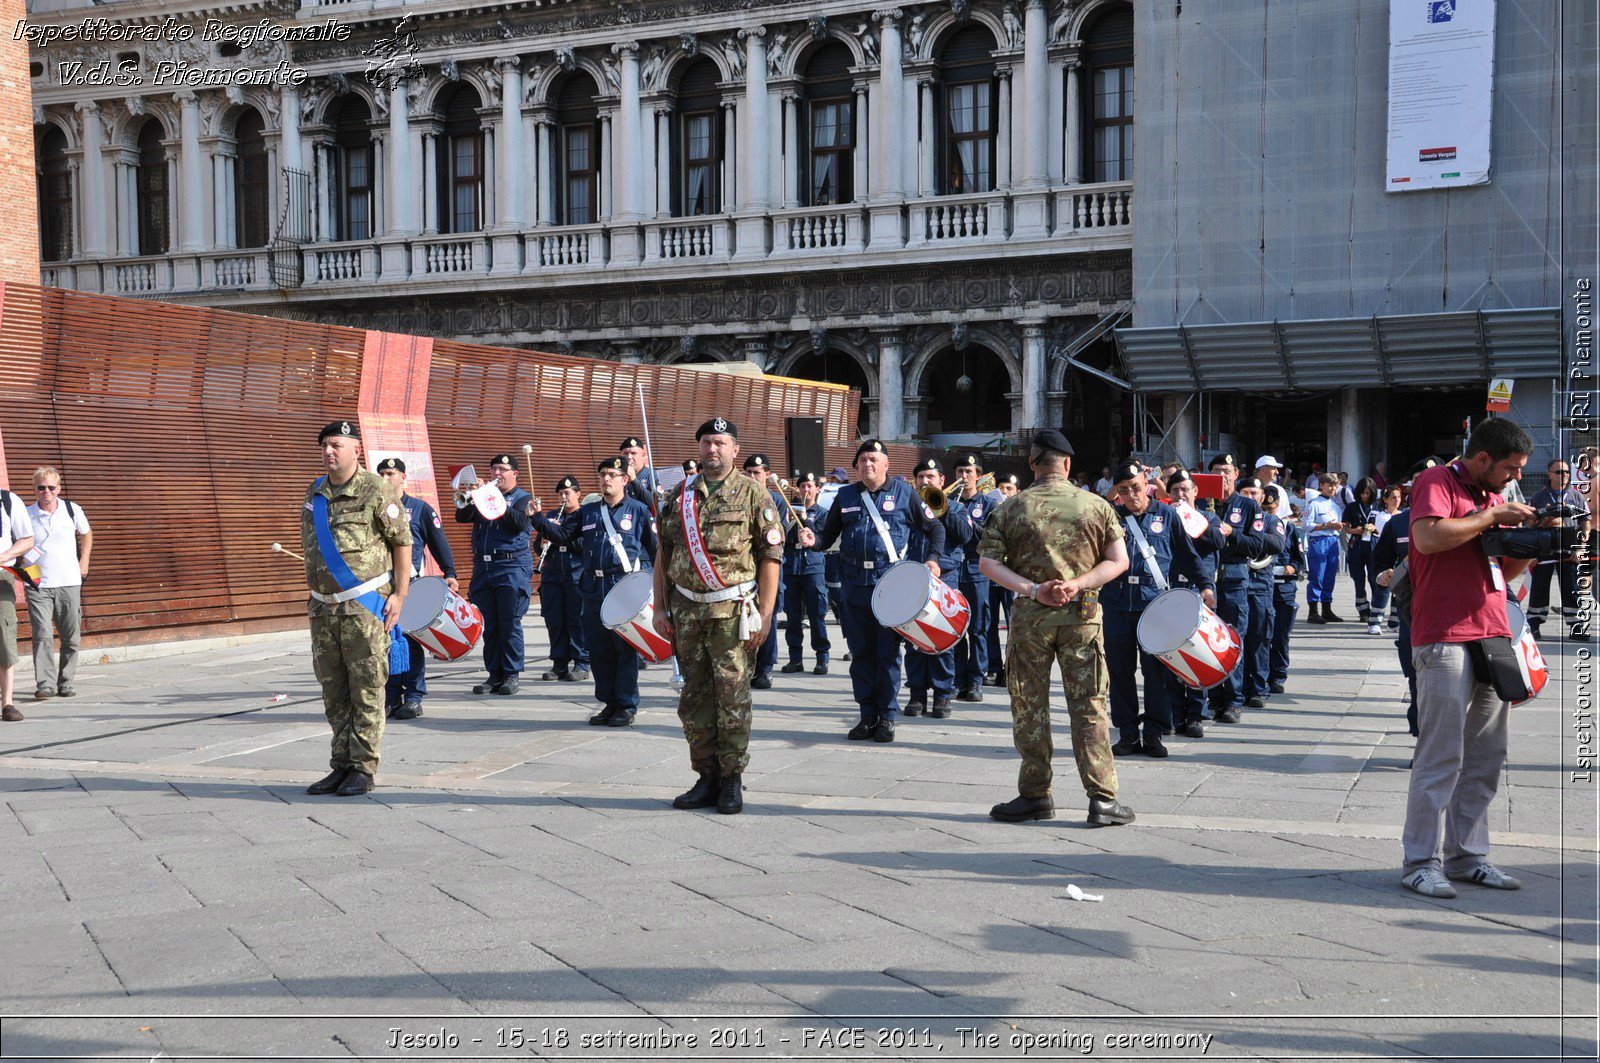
(354, 592)
(744, 593)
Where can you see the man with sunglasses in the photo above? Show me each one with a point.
(1560, 492)
(62, 536)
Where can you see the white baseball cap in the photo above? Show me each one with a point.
(1267, 460)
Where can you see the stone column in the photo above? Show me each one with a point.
(750, 229)
(663, 154)
(860, 159)
(891, 385)
(222, 163)
(546, 173)
(886, 224)
(928, 149)
(1033, 375)
(510, 194)
(1031, 208)
(1002, 134)
(321, 162)
(757, 349)
(289, 129)
(1073, 119)
(192, 196)
(430, 183)
(98, 208)
(399, 213)
(606, 199)
(791, 150)
(730, 157)
(628, 172)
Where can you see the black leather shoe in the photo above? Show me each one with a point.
(1314, 617)
(389, 707)
(509, 685)
(1000, 677)
(846, 655)
(941, 707)
(1276, 688)
(1023, 809)
(1331, 617)
(1153, 747)
(577, 675)
(329, 783)
(915, 707)
(862, 731)
(884, 732)
(792, 667)
(822, 665)
(1254, 702)
(1228, 715)
(409, 710)
(972, 693)
(356, 783)
(1126, 748)
(553, 675)
(703, 794)
(603, 717)
(730, 796)
(620, 718)
(1113, 813)
(485, 688)
(1192, 729)
(762, 681)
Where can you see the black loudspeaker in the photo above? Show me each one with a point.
(803, 438)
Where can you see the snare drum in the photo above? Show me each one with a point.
(1191, 640)
(1535, 672)
(923, 609)
(442, 622)
(628, 609)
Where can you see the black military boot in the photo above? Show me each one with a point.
(863, 730)
(941, 707)
(328, 783)
(730, 795)
(1109, 812)
(1021, 809)
(356, 783)
(916, 706)
(1329, 616)
(822, 665)
(509, 685)
(603, 717)
(794, 666)
(703, 794)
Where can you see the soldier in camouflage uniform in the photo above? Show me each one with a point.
(349, 641)
(718, 629)
(1056, 545)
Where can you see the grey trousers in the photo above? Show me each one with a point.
(1461, 752)
(54, 611)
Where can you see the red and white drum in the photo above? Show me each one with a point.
(628, 609)
(1191, 640)
(1535, 673)
(443, 623)
(926, 611)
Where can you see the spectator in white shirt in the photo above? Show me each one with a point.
(16, 540)
(61, 535)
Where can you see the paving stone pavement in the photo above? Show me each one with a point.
(518, 878)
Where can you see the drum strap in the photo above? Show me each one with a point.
(1146, 552)
(871, 506)
(616, 541)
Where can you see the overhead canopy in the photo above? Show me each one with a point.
(1400, 350)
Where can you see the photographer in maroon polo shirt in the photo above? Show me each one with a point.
(1458, 597)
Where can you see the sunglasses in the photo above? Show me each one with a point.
(47, 487)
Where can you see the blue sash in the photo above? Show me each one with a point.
(339, 569)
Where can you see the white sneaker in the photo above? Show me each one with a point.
(1486, 874)
(1374, 628)
(1430, 882)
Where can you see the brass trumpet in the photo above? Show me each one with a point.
(938, 498)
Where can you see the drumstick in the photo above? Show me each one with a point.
(278, 548)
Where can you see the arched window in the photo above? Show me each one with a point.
(351, 169)
(967, 85)
(699, 145)
(460, 157)
(251, 195)
(150, 188)
(55, 197)
(834, 366)
(830, 129)
(1108, 103)
(966, 393)
(578, 151)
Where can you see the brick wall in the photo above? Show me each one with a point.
(19, 237)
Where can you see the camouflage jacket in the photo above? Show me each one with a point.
(367, 518)
(1052, 530)
(738, 525)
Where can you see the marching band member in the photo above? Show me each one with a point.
(502, 577)
(924, 670)
(641, 477)
(872, 520)
(403, 697)
(1288, 569)
(805, 594)
(1189, 711)
(560, 569)
(1239, 516)
(972, 652)
(1258, 633)
(716, 586)
(1324, 518)
(759, 469)
(1000, 600)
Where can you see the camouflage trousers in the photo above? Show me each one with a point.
(350, 655)
(715, 703)
(1031, 653)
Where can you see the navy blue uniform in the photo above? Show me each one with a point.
(502, 581)
(1258, 634)
(427, 532)
(1358, 555)
(1284, 589)
(615, 664)
(973, 651)
(767, 656)
(874, 649)
(1393, 544)
(1189, 704)
(1233, 586)
(1123, 602)
(938, 671)
(805, 593)
(559, 601)
(642, 488)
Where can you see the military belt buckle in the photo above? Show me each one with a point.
(868, 564)
(486, 557)
(1133, 581)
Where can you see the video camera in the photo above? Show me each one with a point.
(1536, 544)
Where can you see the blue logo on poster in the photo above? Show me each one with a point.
(1441, 10)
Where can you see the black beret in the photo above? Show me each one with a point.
(631, 441)
(341, 429)
(614, 464)
(566, 482)
(1128, 470)
(757, 461)
(391, 463)
(691, 466)
(1223, 459)
(1011, 478)
(807, 478)
(969, 462)
(718, 426)
(870, 446)
(1179, 476)
(1248, 481)
(1050, 439)
(503, 459)
(1424, 465)
(925, 465)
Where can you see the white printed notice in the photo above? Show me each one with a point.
(1441, 93)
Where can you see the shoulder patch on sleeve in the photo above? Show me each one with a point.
(774, 536)
(393, 511)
